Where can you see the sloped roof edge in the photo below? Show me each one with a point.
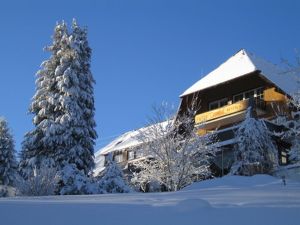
(240, 64)
(131, 138)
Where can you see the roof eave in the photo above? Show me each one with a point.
(227, 81)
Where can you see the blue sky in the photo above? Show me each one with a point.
(144, 52)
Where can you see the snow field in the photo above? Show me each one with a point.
(233, 200)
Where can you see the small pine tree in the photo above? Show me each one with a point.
(113, 179)
(255, 151)
(8, 164)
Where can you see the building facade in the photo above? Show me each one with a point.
(222, 98)
(224, 95)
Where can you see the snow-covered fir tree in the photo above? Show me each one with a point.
(175, 155)
(8, 164)
(292, 71)
(76, 82)
(41, 143)
(113, 179)
(293, 135)
(255, 151)
(63, 105)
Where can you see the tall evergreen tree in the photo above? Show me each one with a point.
(40, 143)
(76, 86)
(63, 105)
(8, 164)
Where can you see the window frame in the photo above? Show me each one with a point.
(131, 155)
(218, 102)
(118, 158)
(258, 93)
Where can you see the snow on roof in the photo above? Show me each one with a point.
(240, 64)
(129, 139)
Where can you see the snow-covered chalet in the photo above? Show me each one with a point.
(223, 96)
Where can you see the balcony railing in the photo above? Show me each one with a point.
(230, 109)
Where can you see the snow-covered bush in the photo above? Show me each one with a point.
(8, 164)
(175, 155)
(255, 151)
(74, 182)
(112, 180)
(7, 191)
(41, 182)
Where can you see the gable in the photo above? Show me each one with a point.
(241, 64)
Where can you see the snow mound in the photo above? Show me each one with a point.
(236, 182)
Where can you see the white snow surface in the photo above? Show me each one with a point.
(259, 200)
(243, 63)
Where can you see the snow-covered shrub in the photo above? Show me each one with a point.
(7, 191)
(175, 155)
(255, 151)
(8, 164)
(74, 182)
(144, 184)
(113, 179)
(41, 182)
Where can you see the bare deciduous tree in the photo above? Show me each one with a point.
(175, 155)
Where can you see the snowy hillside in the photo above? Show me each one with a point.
(229, 200)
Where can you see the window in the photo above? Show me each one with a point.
(139, 154)
(259, 93)
(131, 155)
(238, 97)
(283, 158)
(218, 103)
(249, 94)
(118, 158)
(213, 105)
(254, 93)
(223, 102)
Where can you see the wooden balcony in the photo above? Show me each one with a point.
(228, 114)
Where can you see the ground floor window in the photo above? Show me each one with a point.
(131, 155)
(118, 158)
(283, 158)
